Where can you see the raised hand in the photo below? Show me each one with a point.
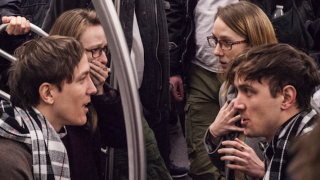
(98, 74)
(225, 122)
(17, 25)
(244, 158)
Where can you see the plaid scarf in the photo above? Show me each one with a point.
(276, 152)
(50, 160)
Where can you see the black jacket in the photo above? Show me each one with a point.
(180, 22)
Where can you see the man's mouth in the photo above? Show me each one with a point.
(88, 104)
(244, 121)
(85, 106)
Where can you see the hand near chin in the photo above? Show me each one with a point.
(225, 121)
(98, 74)
(243, 157)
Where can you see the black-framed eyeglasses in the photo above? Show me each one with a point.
(98, 51)
(224, 44)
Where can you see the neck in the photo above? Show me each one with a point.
(48, 113)
(284, 117)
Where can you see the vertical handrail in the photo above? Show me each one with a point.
(114, 84)
(127, 86)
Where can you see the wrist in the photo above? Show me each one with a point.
(100, 90)
(214, 138)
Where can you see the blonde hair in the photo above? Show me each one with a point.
(73, 23)
(249, 21)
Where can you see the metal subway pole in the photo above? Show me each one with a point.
(123, 69)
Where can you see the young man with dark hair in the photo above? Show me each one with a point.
(274, 84)
(50, 88)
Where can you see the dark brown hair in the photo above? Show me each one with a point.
(282, 65)
(49, 59)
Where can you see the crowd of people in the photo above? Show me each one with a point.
(246, 81)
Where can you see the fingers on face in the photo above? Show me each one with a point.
(229, 109)
(235, 119)
(100, 69)
(225, 105)
(100, 78)
(94, 79)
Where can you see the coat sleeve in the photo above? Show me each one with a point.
(9, 8)
(110, 118)
(212, 150)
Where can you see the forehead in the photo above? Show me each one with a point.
(93, 37)
(222, 31)
(239, 82)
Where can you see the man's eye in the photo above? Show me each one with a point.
(248, 92)
(82, 79)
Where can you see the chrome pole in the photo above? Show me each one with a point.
(123, 69)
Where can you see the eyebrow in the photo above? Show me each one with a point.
(243, 86)
(85, 73)
(223, 37)
(97, 46)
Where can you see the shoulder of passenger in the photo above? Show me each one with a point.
(16, 160)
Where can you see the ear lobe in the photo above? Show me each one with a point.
(45, 91)
(289, 93)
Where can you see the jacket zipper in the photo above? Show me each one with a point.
(157, 47)
(190, 32)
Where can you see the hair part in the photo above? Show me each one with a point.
(282, 65)
(49, 59)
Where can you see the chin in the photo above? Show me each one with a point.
(81, 122)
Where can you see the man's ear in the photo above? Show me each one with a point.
(45, 91)
(289, 97)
